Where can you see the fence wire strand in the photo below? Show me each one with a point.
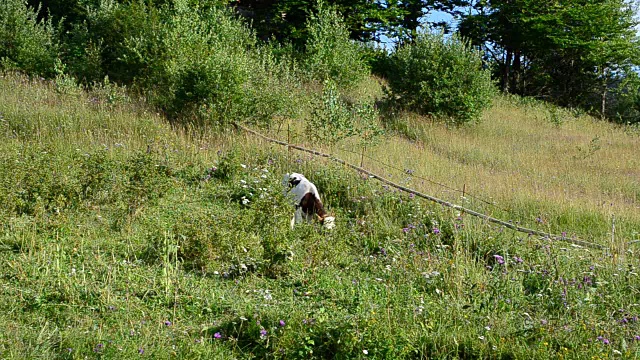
(406, 171)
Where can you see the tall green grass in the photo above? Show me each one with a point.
(123, 237)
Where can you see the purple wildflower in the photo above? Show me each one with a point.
(518, 259)
(564, 234)
(412, 195)
(436, 230)
(167, 323)
(636, 338)
(263, 332)
(217, 335)
(282, 323)
(499, 259)
(543, 322)
(141, 351)
(383, 251)
(405, 230)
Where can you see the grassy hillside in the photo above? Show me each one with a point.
(545, 167)
(122, 236)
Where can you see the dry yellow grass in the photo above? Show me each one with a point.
(541, 166)
(573, 175)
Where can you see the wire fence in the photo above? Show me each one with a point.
(292, 136)
(413, 174)
(485, 217)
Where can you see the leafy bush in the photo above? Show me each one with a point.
(330, 54)
(25, 43)
(442, 77)
(32, 183)
(624, 105)
(333, 119)
(201, 64)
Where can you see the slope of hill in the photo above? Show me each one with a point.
(123, 236)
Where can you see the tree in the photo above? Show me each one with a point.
(366, 20)
(570, 51)
(286, 20)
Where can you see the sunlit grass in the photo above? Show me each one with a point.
(544, 167)
(149, 262)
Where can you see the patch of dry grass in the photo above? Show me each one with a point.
(544, 167)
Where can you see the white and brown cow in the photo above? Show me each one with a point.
(307, 201)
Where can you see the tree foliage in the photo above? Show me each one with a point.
(330, 54)
(573, 52)
(365, 20)
(26, 43)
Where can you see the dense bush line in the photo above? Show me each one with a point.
(201, 63)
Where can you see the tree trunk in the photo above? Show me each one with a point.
(506, 70)
(516, 88)
(603, 105)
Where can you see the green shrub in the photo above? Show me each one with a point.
(37, 182)
(202, 64)
(112, 28)
(330, 54)
(333, 119)
(82, 54)
(25, 43)
(442, 77)
(624, 107)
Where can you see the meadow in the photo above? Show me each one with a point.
(123, 236)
